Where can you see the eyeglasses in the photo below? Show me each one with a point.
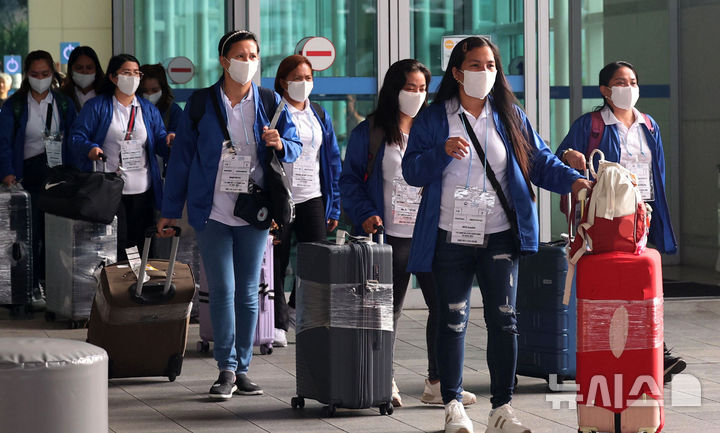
(130, 73)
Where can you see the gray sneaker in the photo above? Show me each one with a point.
(245, 386)
(223, 387)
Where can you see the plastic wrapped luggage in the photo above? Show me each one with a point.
(16, 262)
(546, 327)
(620, 342)
(143, 327)
(265, 329)
(344, 325)
(74, 254)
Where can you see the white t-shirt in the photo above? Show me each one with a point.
(136, 181)
(35, 126)
(456, 173)
(84, 97)
(633, 143)
(240, 125)
(304, 173)
(392, 169)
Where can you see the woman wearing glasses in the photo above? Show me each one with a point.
(129, 131)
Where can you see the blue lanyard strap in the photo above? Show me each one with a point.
(487, 117)
(242, 118)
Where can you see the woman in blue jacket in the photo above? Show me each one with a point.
(198, 172)
(130, 132)
(85, 77)
(632, 139)
(467, 226)
(34, 129)
(155, 88)
(313, 176)
(381, 197)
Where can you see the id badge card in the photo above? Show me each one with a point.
(405, 202)
(643, 172)
(472, 205)
(53, 149)
(303, 173)
(131, 154)
(235, 176)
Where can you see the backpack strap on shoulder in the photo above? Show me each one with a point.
(197, 104)
(648, 123)
(319, 110)
(376, 140)
(597, 128)
(267, 96)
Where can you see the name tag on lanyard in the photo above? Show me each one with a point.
(405, 202)
(304, 170)
(472, 206)
(131, 151)
(643, 173)
(52, 141)
(235, 176)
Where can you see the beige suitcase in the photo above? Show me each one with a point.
(143, 329)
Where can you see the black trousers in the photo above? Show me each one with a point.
(136, 213)
(401, 278)
(34, 173)
(310, 225)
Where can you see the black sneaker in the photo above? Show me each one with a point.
(672, 365)
(245, 386)
(223, 387)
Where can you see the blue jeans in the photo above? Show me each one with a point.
(496, 269)
(232, 257)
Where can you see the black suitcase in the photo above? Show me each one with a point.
(344, 326)
(16, 258)
(547, 328)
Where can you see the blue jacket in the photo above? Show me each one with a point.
(196, 152)
(173, 113)
(361, 199)
(424, 163)
(330, 167)
(91, 127)
(661, 231)
(12, 138)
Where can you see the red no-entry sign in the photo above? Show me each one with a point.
(319, 50)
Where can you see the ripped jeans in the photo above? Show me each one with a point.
(496, 269)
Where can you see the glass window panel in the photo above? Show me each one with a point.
(170, 28)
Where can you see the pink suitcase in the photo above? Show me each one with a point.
(265, 329)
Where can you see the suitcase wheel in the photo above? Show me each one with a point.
(328, 411)
(266, 349)
(203, 346)
(77, 324)
(49, 316)
(386, 409)
(297, 402)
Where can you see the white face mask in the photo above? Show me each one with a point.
(153, 97)
(624, 97)
(128, 84)
(478, 84)
(299, 90)
(410, 102)
(83, 80)
(40, 85)
(242, 72)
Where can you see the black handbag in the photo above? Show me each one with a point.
(254, 207)
(277, 183)
(75, 194)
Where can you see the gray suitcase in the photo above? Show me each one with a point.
(344, 326)
(74, 254)
(16, 260)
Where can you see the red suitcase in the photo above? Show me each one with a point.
(620, 340)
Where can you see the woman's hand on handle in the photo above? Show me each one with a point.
(162, 224)
(580, 185)
(94, 154)
(9, 180)
(370, 224)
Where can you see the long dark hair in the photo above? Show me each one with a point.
(607, 73)
(288, 65)
(504, 101)
(68, 86)
(387, 113)
(31, 58)
(114, 65)
(158, 72)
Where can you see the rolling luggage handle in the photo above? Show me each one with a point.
(153, 295)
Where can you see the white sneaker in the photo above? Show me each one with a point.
(502, 420)
(396, 399)
(280, 339)
(431, 395)
(456, 420)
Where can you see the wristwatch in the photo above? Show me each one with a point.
(562, 157)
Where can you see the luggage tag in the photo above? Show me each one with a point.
(405, 202)
(135, 261)
(472, 205)
(131, 153)
(52, 141)
(236, 169)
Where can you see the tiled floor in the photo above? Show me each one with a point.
(156, 405)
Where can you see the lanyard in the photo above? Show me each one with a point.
(486, 109)
(131, 123)
(242, 119)
(640, 143)
(49, 118)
